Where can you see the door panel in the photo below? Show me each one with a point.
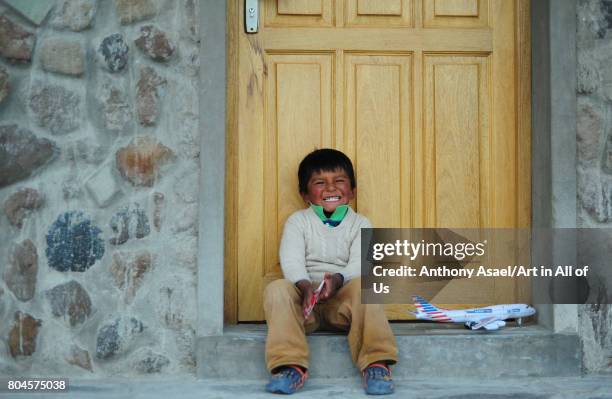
(379, 13)
(378, 127)
(422, 95)
(295, 81)
(456, 8)
(298, 13)
(456, 13)
(378, 7)
(457, 140)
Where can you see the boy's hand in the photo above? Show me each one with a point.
(333, 282)
(305, 288)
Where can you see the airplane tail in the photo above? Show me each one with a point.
(427, 311)
(422, 305)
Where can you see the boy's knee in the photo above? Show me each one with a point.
(281, 288)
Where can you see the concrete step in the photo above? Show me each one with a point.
(589, 387)
(425, 350)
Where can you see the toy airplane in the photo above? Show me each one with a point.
(489, 318)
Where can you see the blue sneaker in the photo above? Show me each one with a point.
(287, 380)
(377, 379)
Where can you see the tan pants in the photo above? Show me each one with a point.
(369, 335)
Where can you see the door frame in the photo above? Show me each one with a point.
(523, 148)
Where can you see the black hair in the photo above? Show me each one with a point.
(325, 159)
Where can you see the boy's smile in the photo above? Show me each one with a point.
(329, 189)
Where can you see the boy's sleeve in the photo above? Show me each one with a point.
(292, 252)
(353, 268)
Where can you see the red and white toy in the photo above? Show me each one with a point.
(313, 300)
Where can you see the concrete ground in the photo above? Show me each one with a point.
(597, 386)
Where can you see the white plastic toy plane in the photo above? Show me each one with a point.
(489, 318)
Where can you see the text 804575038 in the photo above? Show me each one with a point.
(15, 385)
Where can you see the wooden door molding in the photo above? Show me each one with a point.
(522, 139)
(230, 275)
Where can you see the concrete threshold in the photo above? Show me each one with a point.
(425, 350)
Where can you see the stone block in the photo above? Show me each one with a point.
(63, 56)
(79, 357)
(590, 125)
(114, 52)
(84, 150)
(588, 79)
(16, 44)
(4, 84)
(128, 270)
(191, 20)
(148, 96)
(186, 187)
(33, 10)
(148, 362)
(116, 108)
(21, 153)
(172, 315)
(71, 302)
(186, 253)
(55, 107)
(71, 189)
(595, 194)
(155, 43)
(140, 162)
(606, 90)
(130, 222)
(158, 201)
(185, 343)
(22, 337)
(606, 10)
(20, 274)
(73, 243)
(135, 10)
(115, 338)
(76, 15)
(185, 219)
(103, 187)
(606, 162)
(591, 22)
(21, 203)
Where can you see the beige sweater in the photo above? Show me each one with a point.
(310, 248)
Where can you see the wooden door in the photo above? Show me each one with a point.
(429, 98)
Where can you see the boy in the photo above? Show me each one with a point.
(323, 243)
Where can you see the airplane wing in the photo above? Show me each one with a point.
(485, 322)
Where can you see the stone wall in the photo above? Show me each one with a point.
(594, 157)
(99, 148)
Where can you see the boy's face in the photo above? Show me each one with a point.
(329, 189)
